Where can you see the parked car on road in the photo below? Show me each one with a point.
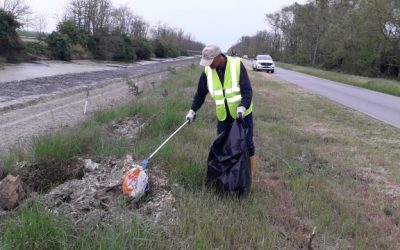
(264, 63)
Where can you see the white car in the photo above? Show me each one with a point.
(264, 63)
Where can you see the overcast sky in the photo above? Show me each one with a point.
(220, 22)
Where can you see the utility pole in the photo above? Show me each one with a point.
(27, 22)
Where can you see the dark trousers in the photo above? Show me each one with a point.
(248, 124)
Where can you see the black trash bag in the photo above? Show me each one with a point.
(229, 162)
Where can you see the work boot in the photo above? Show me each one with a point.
(253, 167)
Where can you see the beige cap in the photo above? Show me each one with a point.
(208, 54)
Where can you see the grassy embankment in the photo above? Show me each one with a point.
(391, 87)
(320, 165)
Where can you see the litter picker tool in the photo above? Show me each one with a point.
(145, 162)
(135, 181)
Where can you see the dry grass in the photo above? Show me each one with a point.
(340, 168)
(319, 165)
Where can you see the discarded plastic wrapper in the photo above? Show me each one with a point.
(135, 182)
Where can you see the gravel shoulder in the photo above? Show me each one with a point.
(41, 105)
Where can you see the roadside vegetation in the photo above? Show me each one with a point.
(319, 165)
(391, 87)
(10, 43)
(89, 30)
(355, 37)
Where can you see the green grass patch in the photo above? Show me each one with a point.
(390, 87)
(212, 222)
(60, 148)
(189, 175)
(11, 156)
(35, 228)
(133, 235)
(106, 116)
(28, 33)
(310, 154)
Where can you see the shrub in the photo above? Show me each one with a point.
(36, 49)
(160, 49)
(10, 43)
(122, 48)
(163, 49)
(118, 47)
(173, 51)
(59, 46)
(78, 51)
(183, 52)
(95, 45)
(69, 28)
(143, 48)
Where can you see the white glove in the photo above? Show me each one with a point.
(240, 111)
(191, 115)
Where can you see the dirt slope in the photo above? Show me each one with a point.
(36, 106)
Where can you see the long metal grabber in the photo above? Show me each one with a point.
(146, 161)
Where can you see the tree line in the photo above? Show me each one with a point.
(353, 36)
(97, 29)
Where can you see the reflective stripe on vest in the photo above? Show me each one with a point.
(230, 88)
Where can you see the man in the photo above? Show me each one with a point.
(226, 79)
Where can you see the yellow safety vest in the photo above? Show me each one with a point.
(229, 91)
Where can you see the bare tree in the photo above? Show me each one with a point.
(99, 17)
(90, 15)
(16, 7)
(39, 23)
(163, 32)
(121, 20)
(139, 28)
(76, 12)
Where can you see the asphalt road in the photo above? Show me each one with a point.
(377, 105)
